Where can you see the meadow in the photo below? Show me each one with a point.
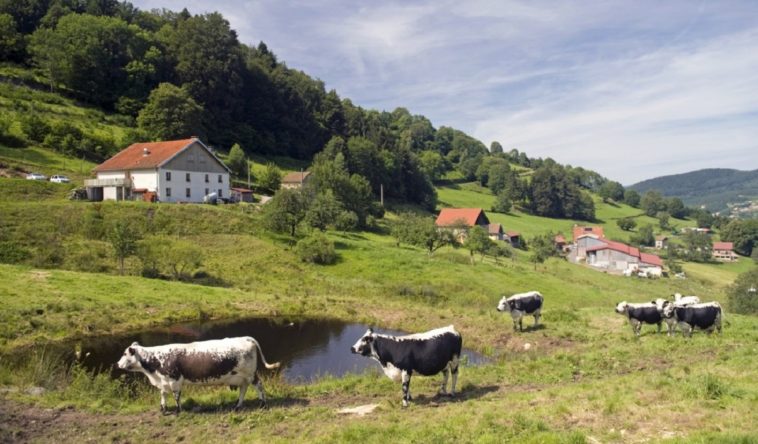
(583, 377)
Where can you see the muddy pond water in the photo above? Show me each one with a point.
(307, 349)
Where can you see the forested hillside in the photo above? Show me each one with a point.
(713, 188)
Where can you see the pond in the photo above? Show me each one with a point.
(307, 349)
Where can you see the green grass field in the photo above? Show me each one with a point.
(582, 378)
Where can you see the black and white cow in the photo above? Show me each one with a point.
(520, 305)
(707, 316)
(230, 361)
(638, 314)
(424, 353)
(679, 301)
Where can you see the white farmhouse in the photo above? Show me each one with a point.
(171, 171)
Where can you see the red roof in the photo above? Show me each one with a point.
(513, 233)
(144, 155)
(495, 228)
(559, 239)
(723, 246)
(617, 246)
(580, 231)
(452, 216)
(241, 190)
(651, 259)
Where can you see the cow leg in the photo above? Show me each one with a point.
(454, 372)
(177, 399)
(243, 390)
(406, 387)
(259, 386)
(537, 315)
(163, 400)
(445, 372)
(686, 329)
(635, 326)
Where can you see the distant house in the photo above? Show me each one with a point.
(495, 231)
(560, 243)
(241, 195)
(170, 171)
(724, 252)
(616, 256)
(514, 237)
(460, 220)
(661, 242)
(581, 231)
(296, 180)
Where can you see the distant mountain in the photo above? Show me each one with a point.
(713, 187)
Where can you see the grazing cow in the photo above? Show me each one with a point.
(230, 361)
(707, 316)
(425, 353)
(638, 314)
(522, 304)
(679, 301)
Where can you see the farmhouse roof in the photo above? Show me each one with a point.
(241, 190)
(149, 155)
(723, 246)
(617, 246)
(580, 231)
(296, 177)
(559, 239)
(452, 216)
(651, 259)
(512, 233)
(661, 237)
(495, 228)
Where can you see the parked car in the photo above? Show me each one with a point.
(35, 176)
(59, 179)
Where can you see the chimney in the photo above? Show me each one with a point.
(145, 151)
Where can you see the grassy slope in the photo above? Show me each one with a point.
(584, 377)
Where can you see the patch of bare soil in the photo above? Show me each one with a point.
(520, 343)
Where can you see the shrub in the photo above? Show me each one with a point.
(741, 298)
(12, 253)
(347, 221)
(317, 249)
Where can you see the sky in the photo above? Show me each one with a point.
(630, 89)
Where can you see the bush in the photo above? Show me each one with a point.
(502, 203)
(741, 298)
(348, 220)
(12, 253)
(317, 249)
(626, 223)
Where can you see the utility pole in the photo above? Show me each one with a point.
(248, 173)
(381, 193)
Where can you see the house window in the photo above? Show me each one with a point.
(168, 176)
(219, 179)
(206, 191)
(189, 194)
(188, 177)
(168, 192)
(220, 194)
(206, 178)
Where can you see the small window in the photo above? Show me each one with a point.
(220, 194)
(206, 191)
(189, 193)
(206, 179)
(168, 176)
(188, 177)
(219, 179)
(168, 191)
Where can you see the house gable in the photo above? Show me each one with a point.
(195, 157)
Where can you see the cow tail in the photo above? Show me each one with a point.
(263, 358)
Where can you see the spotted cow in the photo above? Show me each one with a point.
(640, 313)
(230, 361)
(426, 353)
(520, 305)
(707, 316)
(679, 301)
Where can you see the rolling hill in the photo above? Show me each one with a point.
(714, 188)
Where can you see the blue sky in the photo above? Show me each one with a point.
(631, 89)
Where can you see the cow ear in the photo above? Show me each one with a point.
(371, 330)
(131, 350)
(135, 344)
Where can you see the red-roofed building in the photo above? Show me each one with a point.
(724, 251)
(617, 256)
(580, 231)
(461, 219)
(514, 237)
(296, 179)
(183, 170)
(495, 231)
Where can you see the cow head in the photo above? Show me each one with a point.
(621, 307)
(668, 309)
(677, 296)
(363, 346)
(659, 304)
(503, 305)
(130, 360)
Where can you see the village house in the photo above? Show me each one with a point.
(460, 220)
(616, 256)
(495, 231)
(241, 195)
(560, 243)
(661, 242)
(514, 237)
(584, 238)
(724, 252)
(170, 171)
(296, 180)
